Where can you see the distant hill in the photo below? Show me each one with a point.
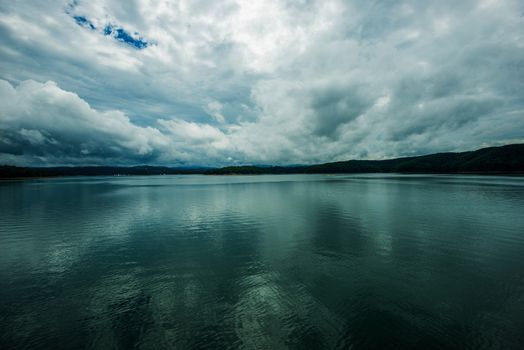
(7, 171)
(503, 159)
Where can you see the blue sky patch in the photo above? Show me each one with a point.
(114, 31)
(122, 35)
(84, 22)
(108, 30)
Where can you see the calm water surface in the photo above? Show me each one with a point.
(262, 262)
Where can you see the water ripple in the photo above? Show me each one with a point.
(298, 261)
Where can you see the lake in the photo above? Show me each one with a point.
(262, 262)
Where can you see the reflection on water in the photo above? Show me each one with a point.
(305, 261)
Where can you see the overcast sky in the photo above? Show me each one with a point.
(256, 82)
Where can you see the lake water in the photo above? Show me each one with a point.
(262, 262)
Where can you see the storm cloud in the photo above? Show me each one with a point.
(275, 82)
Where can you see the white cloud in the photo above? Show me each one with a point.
(183, 130)
(44, 122)
(258, 81)
(214, 108)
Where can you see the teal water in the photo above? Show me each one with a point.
(262, 262)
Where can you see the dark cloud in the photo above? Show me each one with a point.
(335, 106)
(256, 81)
(42, 123)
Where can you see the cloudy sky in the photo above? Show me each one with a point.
(201, 82)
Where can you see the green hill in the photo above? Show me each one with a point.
(504, 159)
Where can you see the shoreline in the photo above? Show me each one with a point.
(491, 173)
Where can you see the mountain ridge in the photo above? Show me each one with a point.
(489, 160)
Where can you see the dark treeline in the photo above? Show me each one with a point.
(504, 159)
(7, 171)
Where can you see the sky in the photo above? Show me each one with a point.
(216, 83)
